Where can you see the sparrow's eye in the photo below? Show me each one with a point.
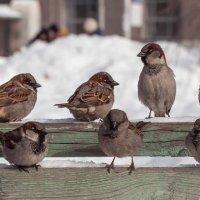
(33, 128)
(150, 50)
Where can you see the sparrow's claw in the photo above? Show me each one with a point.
(149, 117)
(131, 167)
(111, 166)
(22, 169)
(36, 167)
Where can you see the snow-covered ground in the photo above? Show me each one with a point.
(60, 67)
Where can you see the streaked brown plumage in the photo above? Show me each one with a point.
(18, 97)
(93, 99)
(119, 138)
(156, 85)
(192, 140)
(25, 146)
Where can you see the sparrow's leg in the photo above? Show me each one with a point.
(36, 167)
(111, 166)
(149, 115)
(131, 167)
(22, 168)
(167, 112)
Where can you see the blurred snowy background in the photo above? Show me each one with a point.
(110, 44)
(61, 66)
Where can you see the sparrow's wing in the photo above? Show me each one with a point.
(135, 128)
(192, 143)
(196, 140)
(11, 138)
(91, 94)
(11, 93)
(96, 95)
(77, 92)
(131, 126)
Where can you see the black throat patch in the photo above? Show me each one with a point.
(38, 147)
(153, 69)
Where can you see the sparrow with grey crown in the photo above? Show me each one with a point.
(120, 138)
(18, 97)
(93, 99)
(156, 85)
(25, 146)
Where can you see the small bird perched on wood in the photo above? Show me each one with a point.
(18, 97)
(25, 146)
(119, 138)
(192, 140)
(156, 85)
(93, 99)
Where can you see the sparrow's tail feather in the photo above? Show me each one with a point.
(63, 105)
(140, 125)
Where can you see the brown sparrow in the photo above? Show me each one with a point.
(18, 97)
(192, 140)
(25, 146)
(93, 99)
(119, 138)
(156, 86)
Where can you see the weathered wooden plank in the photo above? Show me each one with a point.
(80, 139)
(96, 183)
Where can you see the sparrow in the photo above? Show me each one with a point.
(18, 97)
(25, 146)
(192, 140)
(93, 99)
(156, 85)
(118, 137)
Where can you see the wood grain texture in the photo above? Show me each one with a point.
(96, 183)
(80, 139)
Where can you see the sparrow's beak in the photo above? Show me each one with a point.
(42, 132)
(114, 83)
(141, 54)
(37, 85)
(114, 125)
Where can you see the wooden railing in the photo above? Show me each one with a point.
(80, 140)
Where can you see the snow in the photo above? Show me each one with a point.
(7, 12)
(87, 162)
(61, 66)
(169, 119)
(72, 120)
(2, 60)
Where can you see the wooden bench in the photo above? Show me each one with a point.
(90, 180)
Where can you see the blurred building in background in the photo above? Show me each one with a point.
(143, 20)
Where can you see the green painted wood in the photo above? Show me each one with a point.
(96, 183)
(80, 139)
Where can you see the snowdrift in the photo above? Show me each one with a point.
(60, 67)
